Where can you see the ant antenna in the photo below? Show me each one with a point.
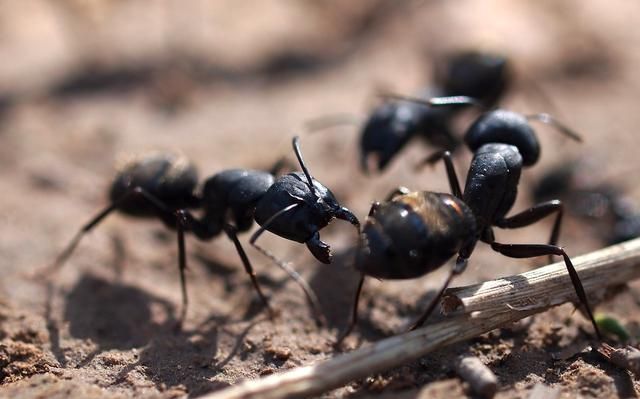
(296, 149)
(550, 120)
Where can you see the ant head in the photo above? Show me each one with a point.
(324, 200)
(326, 204)
(502, 126)
(386, 132)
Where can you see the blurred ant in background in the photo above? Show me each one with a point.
(294, 206)
(414, 233)
(483, 76)
(603, 205)
(391, 125)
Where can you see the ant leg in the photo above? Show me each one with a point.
(550, 120)
(66, 253)
(182, 217)
(459, 267)
(535, 214)
(533, 250)
(181, 220)
(451, 171)
(354, 313)
(308, 291)
(232, 233)
(401, 190)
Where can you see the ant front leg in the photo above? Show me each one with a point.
(308, 291)
(354, 313)
(451, 171)
(232, 233)
(534, 214)
(533, 250)
(459, 267)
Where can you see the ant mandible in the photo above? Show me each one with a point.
(414, 233)
(294, 206)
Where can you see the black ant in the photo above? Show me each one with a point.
(393, 124)
(601, 203)
(414, 233)
(294, 206)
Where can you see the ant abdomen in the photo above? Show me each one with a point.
(169, 177)
(501, 126)
(413, 235)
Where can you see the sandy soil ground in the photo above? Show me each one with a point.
(84, 85)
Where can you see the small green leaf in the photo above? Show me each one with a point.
(611, 326)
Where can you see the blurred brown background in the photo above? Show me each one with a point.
(84, 84)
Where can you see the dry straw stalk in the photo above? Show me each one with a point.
(486, 306)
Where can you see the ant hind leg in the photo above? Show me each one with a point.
(533, 250)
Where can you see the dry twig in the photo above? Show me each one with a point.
(486, 306)
(626, 358)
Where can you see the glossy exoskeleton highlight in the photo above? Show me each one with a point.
(414, 233)
(294, 206)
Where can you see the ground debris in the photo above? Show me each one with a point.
(482, 381)
(19, 360)
(626, 358)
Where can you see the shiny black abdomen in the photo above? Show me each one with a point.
(170, 178)
(414, 234)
